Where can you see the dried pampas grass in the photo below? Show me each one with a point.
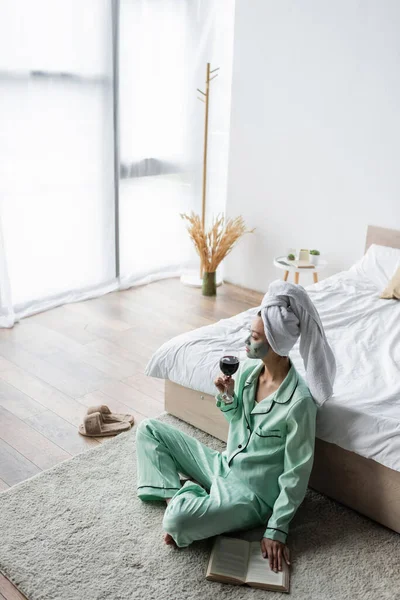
(212, 246)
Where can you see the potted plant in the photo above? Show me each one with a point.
(213, 245)
(314, 257)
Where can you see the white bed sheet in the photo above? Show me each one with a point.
(363, 415)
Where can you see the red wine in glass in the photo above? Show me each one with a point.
(228, 364)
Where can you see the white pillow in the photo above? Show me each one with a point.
(378, 264)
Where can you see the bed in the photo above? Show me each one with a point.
(357, 451)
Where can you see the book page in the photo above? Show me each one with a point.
(230, 557)
(259, 569)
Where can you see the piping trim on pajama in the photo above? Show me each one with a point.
(156, 487)
(247, 443)
(276, 529)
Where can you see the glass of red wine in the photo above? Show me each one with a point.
(229, 364)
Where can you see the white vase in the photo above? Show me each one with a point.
(314, 259)
(303, 255)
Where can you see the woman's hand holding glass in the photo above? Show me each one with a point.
(225, 384)
(229, 364)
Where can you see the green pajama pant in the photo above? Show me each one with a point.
(194, 513)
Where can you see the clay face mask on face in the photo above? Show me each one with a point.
(256, 349)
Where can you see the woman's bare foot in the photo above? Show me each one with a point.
(168, 539)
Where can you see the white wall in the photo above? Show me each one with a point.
(315, 130)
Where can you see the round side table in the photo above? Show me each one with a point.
(296, 270)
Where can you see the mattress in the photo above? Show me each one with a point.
(363, 415)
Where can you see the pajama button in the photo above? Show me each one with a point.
(240, 445)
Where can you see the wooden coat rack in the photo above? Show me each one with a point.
(206, 99)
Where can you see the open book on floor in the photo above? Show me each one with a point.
(241, 562)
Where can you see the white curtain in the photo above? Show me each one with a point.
(57, 200)
(7, 316)
(56, 153)
(162, 128)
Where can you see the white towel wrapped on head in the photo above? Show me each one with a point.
(287, 313)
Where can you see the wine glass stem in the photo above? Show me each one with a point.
(227, 398)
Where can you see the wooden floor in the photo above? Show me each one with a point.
(55, 364)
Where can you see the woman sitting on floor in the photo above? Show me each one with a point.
(262, 476)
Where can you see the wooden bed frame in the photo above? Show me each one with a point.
(360, 483)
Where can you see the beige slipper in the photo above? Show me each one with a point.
(93, 426)
(109, 417)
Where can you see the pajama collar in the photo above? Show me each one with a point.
(283, 394)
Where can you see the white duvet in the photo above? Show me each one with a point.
(363, 415)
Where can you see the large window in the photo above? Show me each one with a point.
(101, 142)
(56, 145)
(162, 126)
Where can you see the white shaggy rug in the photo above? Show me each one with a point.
(78, 532)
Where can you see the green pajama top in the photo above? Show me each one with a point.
(271, 443)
